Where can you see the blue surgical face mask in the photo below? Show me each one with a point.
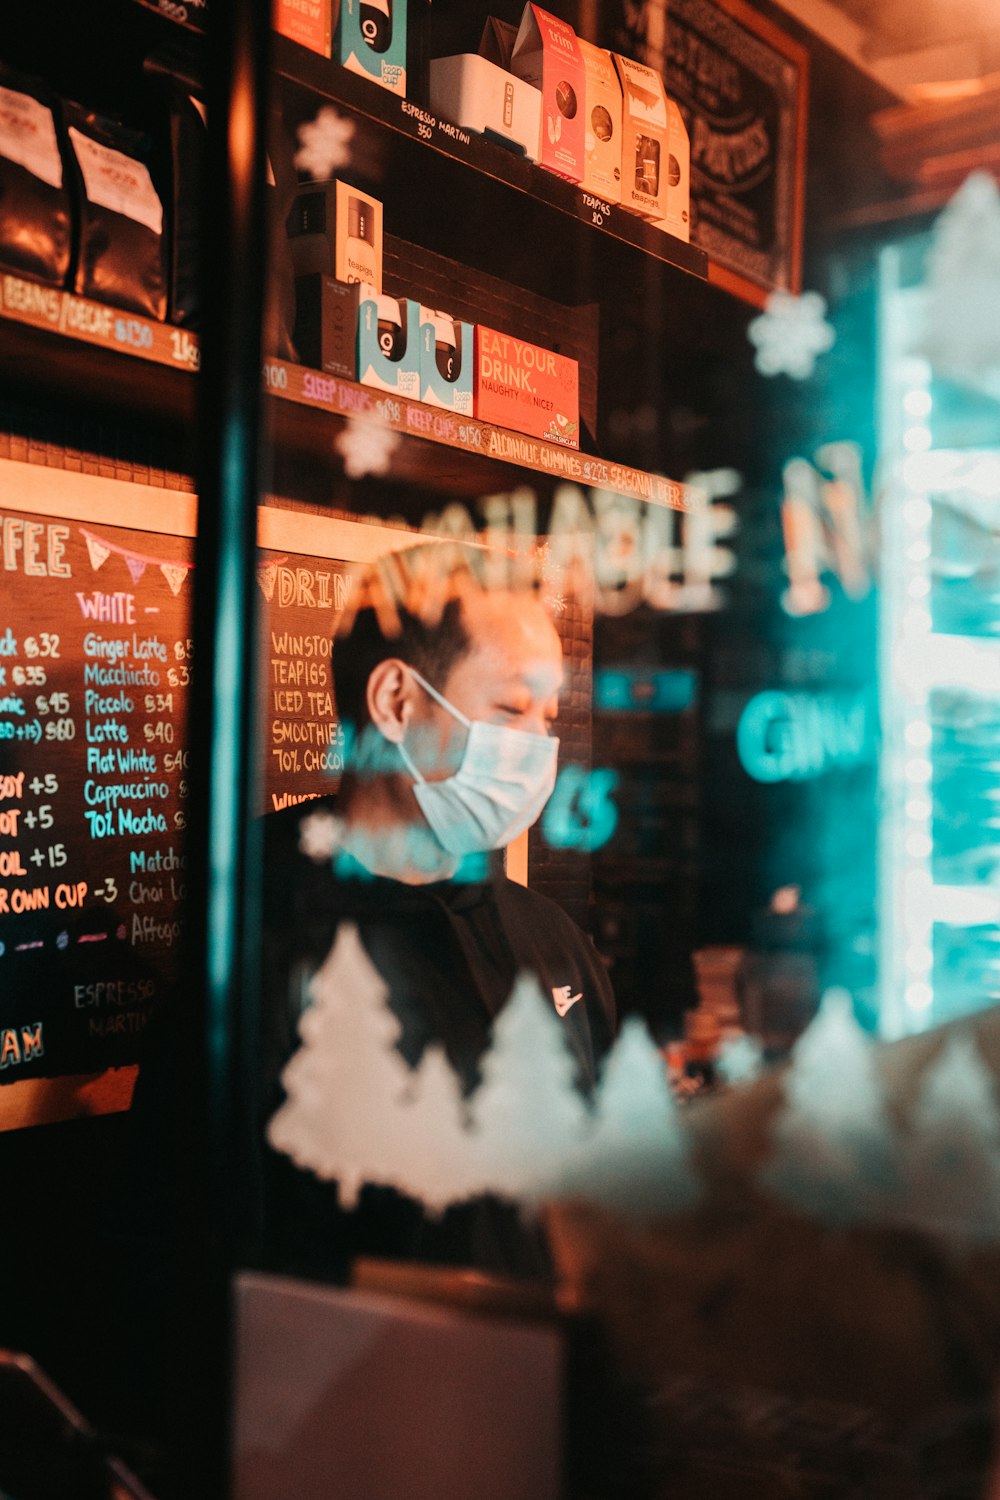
(503, 781)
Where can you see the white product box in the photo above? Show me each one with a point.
(389, 343)
(480, 96)
(447, 355)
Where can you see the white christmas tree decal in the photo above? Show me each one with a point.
(345, 1084)
(636, 1158)
(833, 1151)
(951, 1156)
(790, 333)
(437, 1162)
(529, 1119)
(963, 304)
(356, 1113)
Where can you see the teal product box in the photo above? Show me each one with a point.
(371, 40)
(389, 343)
(447, 361)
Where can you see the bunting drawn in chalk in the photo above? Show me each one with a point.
(99, 550)
(267, 572)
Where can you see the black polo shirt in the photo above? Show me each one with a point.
(449, 953)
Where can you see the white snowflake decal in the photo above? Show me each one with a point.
(320, 836)
(324, 144)
(790, 333)
(366, 445)
(963, 313)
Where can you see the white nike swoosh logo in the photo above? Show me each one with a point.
(562, 999)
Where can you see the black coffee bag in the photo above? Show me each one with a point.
(187, 162)
(121, 257)
(35, 225)
(188, 141)
(279, 312)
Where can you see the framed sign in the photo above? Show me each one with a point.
(742, 84)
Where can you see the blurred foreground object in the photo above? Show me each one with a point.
(780, 1355)
(963, 333)
(359, 1394)
(47, 1450)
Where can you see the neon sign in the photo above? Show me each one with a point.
(581, 813)
(822, 520)
(795, 736)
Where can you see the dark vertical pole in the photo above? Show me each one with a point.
(214, 1079)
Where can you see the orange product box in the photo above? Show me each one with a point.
(602, 125)
(677, 220)
(644, 139)
(678, 174)
(547, 55)
(527, 389)
(308, 22)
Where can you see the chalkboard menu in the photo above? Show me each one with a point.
(96, 658)
(302, 740)
(740, 84)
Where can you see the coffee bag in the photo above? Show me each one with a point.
(121, 257)
(35, 224)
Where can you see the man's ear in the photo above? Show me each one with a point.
(390, 698)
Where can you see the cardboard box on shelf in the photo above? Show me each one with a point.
(677, 220)
(644, 139)
(447, 350)
(527, 389)
(326, 325)
(547, 55)
(497, 41)
(370, 39)
(481, 96)
(308, 22)
(389, 343)
(336, 230)
(358, 239)
(602, 124)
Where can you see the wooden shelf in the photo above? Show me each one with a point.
(320, 79)
(309, 80)
(476, 447)
(58, 341)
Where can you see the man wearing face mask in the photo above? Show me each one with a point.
(449, 691)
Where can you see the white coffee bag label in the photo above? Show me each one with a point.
(28, 136)
(117, 181)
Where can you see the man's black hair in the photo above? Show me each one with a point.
(407, 605)
(432, 649)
